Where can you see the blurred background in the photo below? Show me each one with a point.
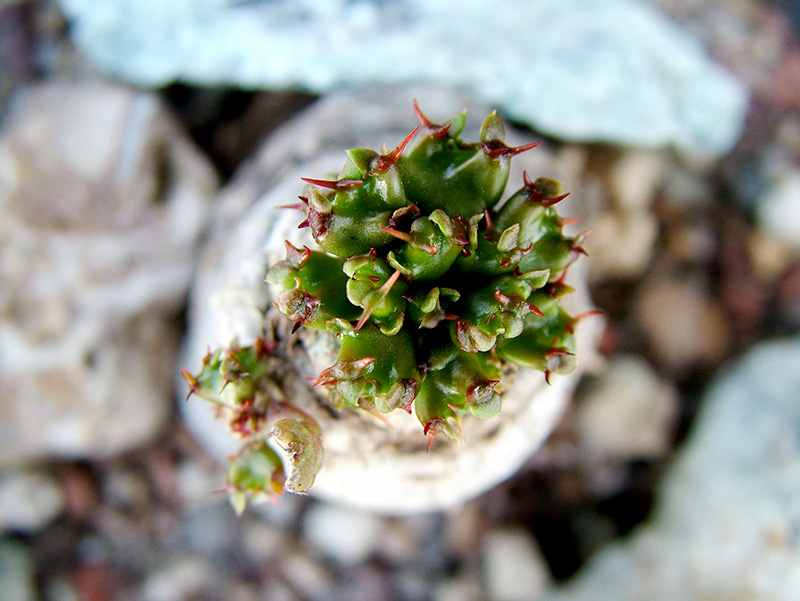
(675, 473)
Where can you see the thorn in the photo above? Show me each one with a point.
(384, 161)
(387, 285)
(526, 181)
(405, 237)
(298, 205)
(297, 325)
(536, 310)
(502, 298)
(489, 222)
(549, 202)
(303, 224)
(437, 131)
(190, 379)
(535, 194)
(547, 376)
(339, 185)
(408, 238)
(562, 221)
(364, 317)
(580, 317)
(496, 149)
(384, 292)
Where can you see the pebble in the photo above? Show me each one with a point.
(778, 211)
(29, 501)
(654, 86)
(513, 566)
(348, 536)
(684, 327)
(189, 577)
(634, 179)
(620, 245)
(626, 412)
(727, 517)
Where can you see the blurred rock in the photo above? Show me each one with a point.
(778, 212)
(190, 577)
(28, 501)
(620, 245)
(684, 327)
(634, 179)
(345, 535)
(727, 520)
(577, 78)
(102, 203)
(16, 572)
(626, 412)
(692, 241)
(513, 566)
(457, 589)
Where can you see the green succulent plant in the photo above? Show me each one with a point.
(432, 285)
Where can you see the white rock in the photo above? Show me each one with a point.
(28, 501)
(347, 536)
(186, 578)
(102, 203)
(513, 566)
(576, 78)
(778, 212)
(725, 524)
(627, 412)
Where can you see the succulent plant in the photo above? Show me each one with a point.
(435, 289)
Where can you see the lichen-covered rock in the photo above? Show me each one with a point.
(726, 520)
(577, 78)
(102, 203)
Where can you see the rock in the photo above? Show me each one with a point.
(778, 211)
(626, 412)
(635, 177)
(684, 327)
(620, 245)
(186, 578)
(28, 501)
(577, 78)
(16, 572)
(344, 535)
(513, 566)
(102, 203)
(727, 517)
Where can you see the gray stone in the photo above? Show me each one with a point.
(102, 202)
(560, 66)
(727, 518)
